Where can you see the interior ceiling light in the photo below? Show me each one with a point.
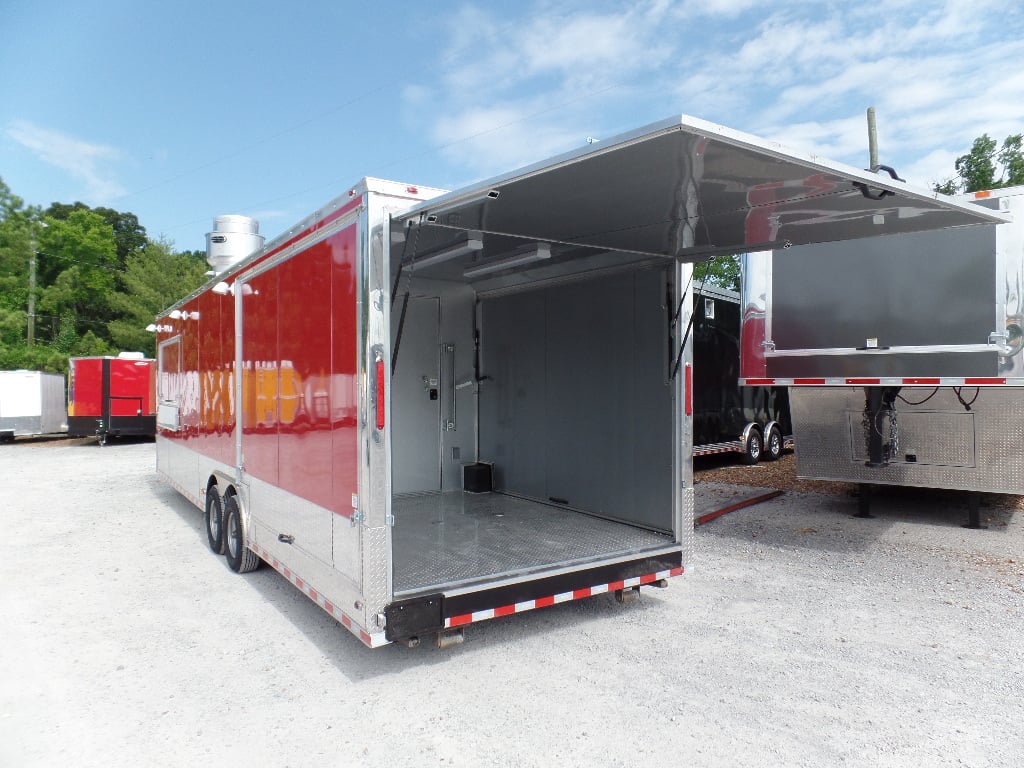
(525, 255)
(470, 242)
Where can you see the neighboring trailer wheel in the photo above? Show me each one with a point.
(240, 558)
(773, 444)
(753, 448)
(214, 520)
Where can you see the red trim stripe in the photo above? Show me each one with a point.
(758, 382)
(863, 381)
(929, 382)
(808, 381)
(317, 597)
(982, 382)
(543, 602)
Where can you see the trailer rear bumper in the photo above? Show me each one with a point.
(92, 426)
(433, 613)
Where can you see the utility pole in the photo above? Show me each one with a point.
(32, 285)
(32, 291)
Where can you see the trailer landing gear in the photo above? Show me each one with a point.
(864, 502)
(973, 511)
(973, 507)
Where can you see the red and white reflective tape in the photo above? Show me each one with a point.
(371, 641)
(910, 381)
(563, 597)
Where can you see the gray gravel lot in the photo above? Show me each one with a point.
(801, 637)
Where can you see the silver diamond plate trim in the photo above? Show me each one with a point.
(686, 533)
(376, 571)
(941, 432)
(453, 539)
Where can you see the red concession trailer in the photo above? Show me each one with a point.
(112, 396)
(429, 409)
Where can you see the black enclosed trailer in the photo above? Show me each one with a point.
(728, 417)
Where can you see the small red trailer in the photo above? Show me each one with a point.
(429, 409)
(112, 396)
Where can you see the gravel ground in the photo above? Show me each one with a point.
(801, 637)
(781, 474)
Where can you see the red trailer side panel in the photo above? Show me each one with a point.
(344, 371)
(130, 387)
(216, 357)
(260, 377)
(85, 393)
(304, 328)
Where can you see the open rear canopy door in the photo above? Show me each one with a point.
(682, 188)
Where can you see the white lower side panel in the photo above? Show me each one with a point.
(327, 569)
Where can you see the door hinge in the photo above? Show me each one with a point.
(356, 519)
(1000, 339)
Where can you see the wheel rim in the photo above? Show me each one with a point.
(213, 519)
(755, 447)
(775, 445)
(233, 534)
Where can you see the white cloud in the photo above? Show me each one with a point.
(86, 162)
(727, 8)
(797, 71)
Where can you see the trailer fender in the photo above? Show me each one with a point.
(774, 443)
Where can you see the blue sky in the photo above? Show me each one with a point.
(182, 111)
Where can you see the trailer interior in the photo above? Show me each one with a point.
(538, 329)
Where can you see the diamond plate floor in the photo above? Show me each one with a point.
(455, 539)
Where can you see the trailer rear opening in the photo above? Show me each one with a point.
(428, 409)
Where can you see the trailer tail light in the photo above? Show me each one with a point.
(688, 385)
(380, 393)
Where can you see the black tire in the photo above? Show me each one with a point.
(214, 520)
(773, 444)
(753, 448)
(240, 558)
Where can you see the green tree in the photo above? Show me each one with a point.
(19, 226)
(723, 271)
(84, 248)
(987, 166)
(154, 279)
(129, 235)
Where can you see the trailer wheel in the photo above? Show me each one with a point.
(214, 520)
(773, 444)
(240, 558)
(753, 447)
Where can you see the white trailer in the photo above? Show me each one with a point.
(31, 404)
(429, 409)
(903, 354)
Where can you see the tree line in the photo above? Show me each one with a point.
(78, 281)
